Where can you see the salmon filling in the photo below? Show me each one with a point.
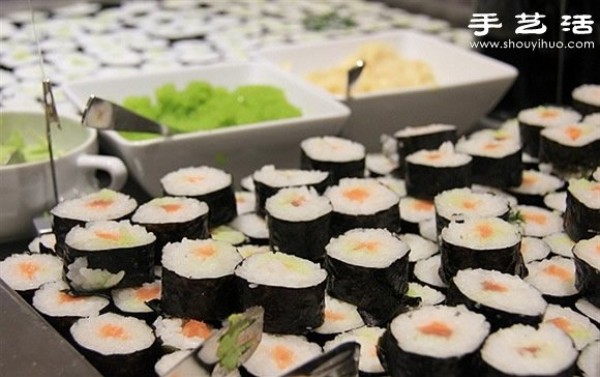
(282, 356)
(436, 328)
(196, 329)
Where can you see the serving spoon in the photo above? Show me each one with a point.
(353, 75)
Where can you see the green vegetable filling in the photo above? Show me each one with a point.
(232, 344)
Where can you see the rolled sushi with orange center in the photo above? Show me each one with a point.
(342, 158)
(587, 267)
(26, 272)
(571, 148)
(555, 278)
(413, 139)
(582, 216)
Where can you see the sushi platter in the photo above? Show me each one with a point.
(426, 250)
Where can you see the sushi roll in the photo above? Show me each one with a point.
(582, 217)
(538, 222)
(298, 220)
(427, 272)
(586, 99)
(228, 234)
(25, 272)
(108, 254)
(523, 350)
(369, 268)
(488, 243)
(342, 158)
(172, 219)
(290, 289)
(462, 203)
(556, 201)
(420, 249)
(413, 139)
(102, 205)
(363, 203)
(533, 249)
(580, 329)
(587, 264)
(555, 278)
(367, 337)
(138, 302)
(340, 317)
(429, 172)
(279, 354)
(560, 244)
(591, 311)
(210, 185)
(180, 333)
(587, 363)
(433, 341)
(253, 226)
(427, 296)
(268, 180)
(504, 299)
(414, 211)
(116, 345)
(198, 281)
(534, 186)
(496, 162)
(380, 165)
(571, 149)
(533, 120)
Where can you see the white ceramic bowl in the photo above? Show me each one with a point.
(238, 149)
(469, 84)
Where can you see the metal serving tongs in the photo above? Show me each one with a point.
(226, 350)
(353, 75)
(103, 114)
(342, 361)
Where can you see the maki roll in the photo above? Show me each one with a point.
(253, 227)
(534, 186)
(228, 234)
(369, 268)
(533, 120)
(139, 301)
(380, 165)
(571, 149)
(560, 244)
(342, 158)
(363, 203)
(420, 249)
(413, 139)
(580, 329)
(462, 203)
(268, 180)
(587, 264)
(538, 222)
(427, 271)
(298, 220)
(116, 345)
(290, 289)
(587, 363)
(427, 296)
(496, 162)
(367, 337)
(586, 99)
(180, 333)
(523, 350)
(429, 172)
(207, 184)
(582, 217)
(340, 316)
(414, 211)
(25, 272)
(108, 254)
(533, 249)
(555, 278)
(489, 243)
(433, 341)
(198, 281)
(556, 201)
(503, 299)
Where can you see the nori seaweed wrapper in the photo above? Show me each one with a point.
(569, 159)
(210, 300)
(136, 262)
(379, 293)
(580, 221)
(585, 108)
(135, 364)
(530, 138)
(305, 239)
(497, 318)
(400, 363)
(222, 207)
(410, 144)
(287, 310)
(425, 182)
(409, 227)
(387, 219)
(587, 281)
(500, 172)
(455, 258)
(337, 170)
(263, 192)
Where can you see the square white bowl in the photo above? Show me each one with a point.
(238, 150)
(469, 84)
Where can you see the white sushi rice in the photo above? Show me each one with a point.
(133, 300)
(428, 230)
(169, 210)
(370, 248)
(416, 210)
(380, 164)
(587, 93)
(427, 271)
(195, 181)
(539, 222)
(112, 334)
(102, 205)
(593, 119)
(589, 251)
(512, 201)
(537, 183)
(108, 235)
(548, 116)
(200, 259)
(228, 234)
(296, 350)
(367, 337)
(24, 272)
(586, 192)
(168, 361)
(554, 276)
(340, 316)
(573, 135)
(420, 247)
(578, 327)
(361, 196)
(588, 309)
(245, 202)
(424, 130)
(47, 240)
(522, 350)
(443, 157)
(588, 360)
(560, 244)
(280, 270)
(298, 204)
(461, 203)
(533, 249)
(53, 300)
(482, 234)
(491, 148)
(332, 149)
(280, 178)
(397, 185)
(505, 292)
(556, 201)
(179, 333)
(252, 225)
(428, 295)
(90, 279)
(464, 331)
